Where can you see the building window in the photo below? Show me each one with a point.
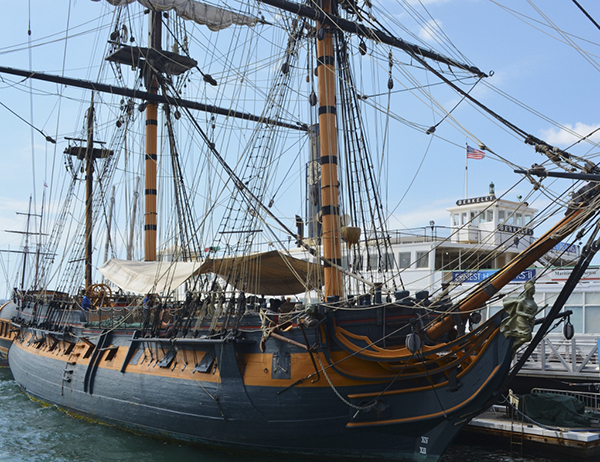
(422, 259)
(404, 259)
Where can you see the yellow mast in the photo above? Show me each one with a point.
(151, 158)
(330, 206)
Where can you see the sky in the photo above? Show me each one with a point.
(544, 55)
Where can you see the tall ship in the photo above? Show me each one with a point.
(262, 316)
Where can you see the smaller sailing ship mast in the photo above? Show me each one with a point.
(25, 250)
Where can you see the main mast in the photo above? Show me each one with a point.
(150, 221)
(329, 161)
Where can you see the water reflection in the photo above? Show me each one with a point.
(470, 453)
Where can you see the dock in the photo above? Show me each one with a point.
(502, 426)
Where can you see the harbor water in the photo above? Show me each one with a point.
(30, 432)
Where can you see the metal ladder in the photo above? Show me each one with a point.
(516, 437)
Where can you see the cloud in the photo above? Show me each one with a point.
(430, 30)
(570, 133)
(425, 2)
(420, 217)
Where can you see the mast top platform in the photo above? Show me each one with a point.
(161, 61)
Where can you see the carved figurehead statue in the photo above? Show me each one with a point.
(521, 311)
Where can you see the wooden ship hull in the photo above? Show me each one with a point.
(301, 395)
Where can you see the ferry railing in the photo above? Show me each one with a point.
(557, 357)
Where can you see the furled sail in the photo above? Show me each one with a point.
(210, 16)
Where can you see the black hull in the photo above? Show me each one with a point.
(221, 408)
(7, 330)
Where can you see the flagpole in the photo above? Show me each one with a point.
(466, 175)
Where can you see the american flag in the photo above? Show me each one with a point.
(473, 153)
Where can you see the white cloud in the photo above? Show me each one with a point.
(571, 134)
(425, 2)
(420, 217)
(430, 30)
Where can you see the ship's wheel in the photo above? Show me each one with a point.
(99, 294)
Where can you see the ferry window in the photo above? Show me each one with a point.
(455, 221)
(373, 261)
(501, 217)
(387, 261)
(539, 299)
(575, 299)
(592, 319)
(404, 259)
(576, 318)
(482, 217)
(463, 218)
(550, 299)
(473, 215)
(494, 309)
(518, 220)
(527, 219)
(490, 216)
(422, 259)
(592, 298)
(344, 262)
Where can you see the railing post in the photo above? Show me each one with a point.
(543, 353)
(573, 354)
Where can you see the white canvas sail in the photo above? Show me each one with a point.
(272, 272)
(142, 277)
(210, 16)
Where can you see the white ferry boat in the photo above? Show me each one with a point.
(486, 232)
